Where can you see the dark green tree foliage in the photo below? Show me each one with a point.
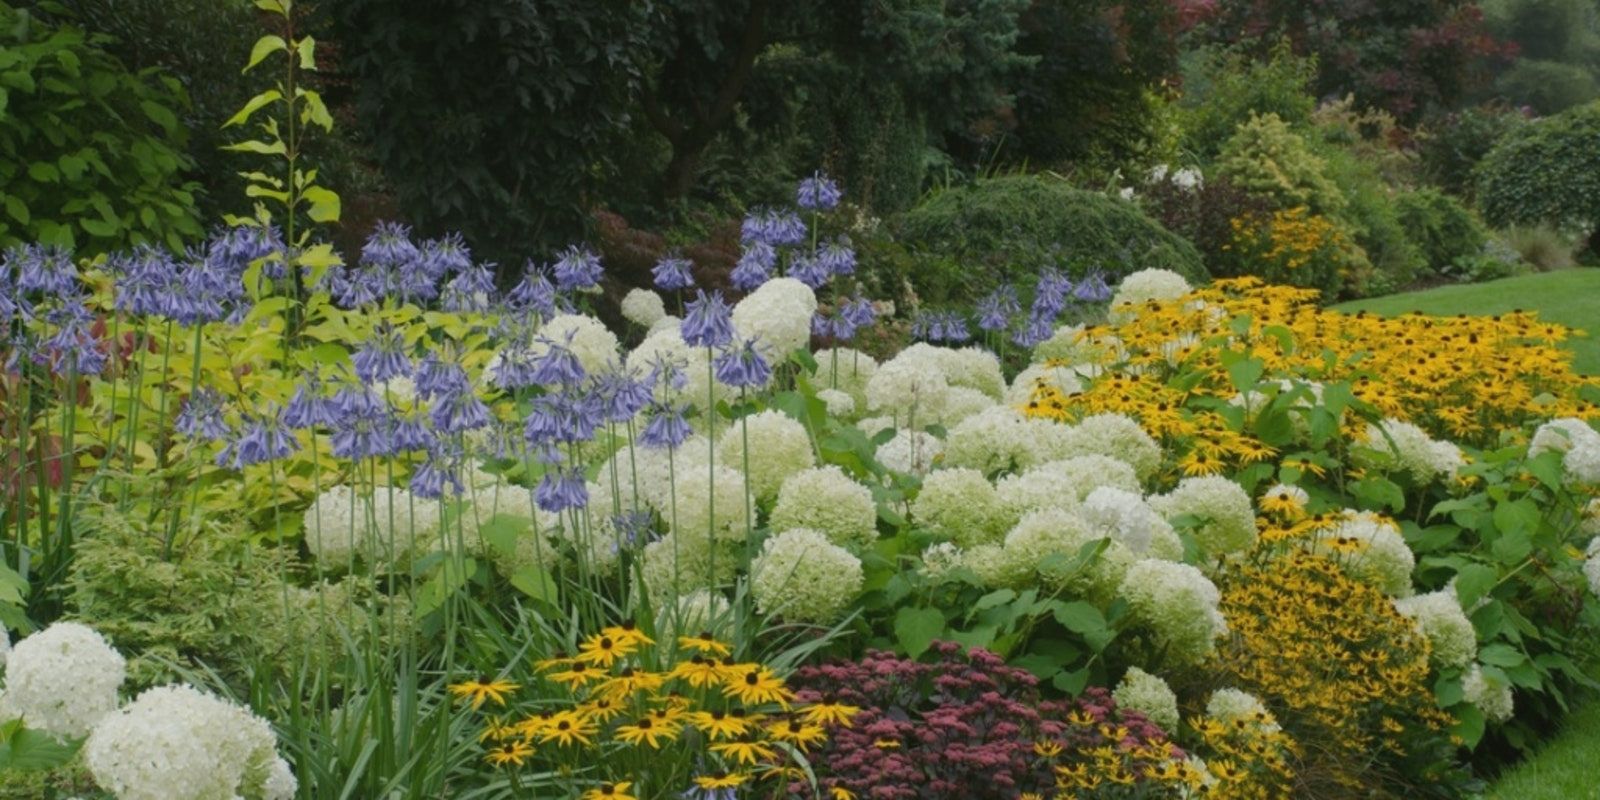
(1446, 232)
(91, 155)
(1546, 172)
(1405, 56)
(1451, 148)
(974, 236)
(1086, 96)
(502, 120)
(1558, 44)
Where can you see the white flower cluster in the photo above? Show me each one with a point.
(1491, 694)
(911, 452)
(1227, 520)
(1407, 448)
(1230, 705)
(178, 743)
(1116, 436)
(385, 528)
(1578, 443)
(1145, 285)
(779, 447)
(825, 499)
(62, 680)
(1591, 563)
(1371, 550)
(845, 370)
(1178, 605)
(1131, 523)
(961, 505)
(1149, 695)
(643, 307)
(591, 342)
(1438, 615)
(777, 315)
(803, 577)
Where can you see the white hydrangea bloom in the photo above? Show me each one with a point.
(1178, 604)
(691, 365)
(1062, 532)
(402, 525)
(1067, 380)
(62, 680)
(1491, 696)
(996, 439)
(1228, 705)
(1582, 463)
(872, 426)
(1149, 695)
(594, 345)
(1370, 549)
(839, 403)
(779, 447)
(961, 505)
(973, 368)
(910, 452)
(643, 307)
(1561, 435)
(334, 527)
(825, 499)
(777, 315)
(1288, 491)
(178, 743)
(996, 567)
(1035, 489)
(908, 389)
(1084, 474)
(963, 403)
(1590, 521)
(939, 559)
(1149, 284)
(1439, 617)
(1228, 519)
(1591, 563)
(401, 390)
(1413, 452)
(846, 370)
(1066, 345)
(803, 577)
(710, 501)
(5, 646)
(673, 566)
(1117, 436)
(670, 323)
(1125, 518)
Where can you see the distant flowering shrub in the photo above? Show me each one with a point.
(966, 725)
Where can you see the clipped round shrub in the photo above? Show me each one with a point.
(1010, 226)
(1444, 230)
(803, 577)
(1267, 159)
(1545, 172)
(825, 499)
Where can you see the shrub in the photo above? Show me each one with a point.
(1371, 219)
(1266, 158)
(1450, 147)
(1547, 87)
(1223, 89)
(1203, 214)
(1296, 247)
(1446, 232)
(969, 726)
(1546, 172)
(1003, 227)
(91, 155)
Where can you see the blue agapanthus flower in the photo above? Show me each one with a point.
(558, 365)
(755, 266)
(202, 416)
(1093, 288)
(707, 321)
(536, 294)
(308, 408)
(997, 308)
(666, 427)
(382, 357)
(390, 246)
(436, 377)
(439, 474)
(458, 413)
(622, 395)
(810, 271)
(73, 348)
(263, 438)
(742, 366)
(672, 273)
(561, 489)
(818, 193)
(578, 269)
(45, 269)
(837, 257)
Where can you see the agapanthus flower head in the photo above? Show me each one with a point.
(412, 433)
(996, 309)
(144, 280)
(564, 417)
(707, 321)
(578, 269)
(470, 290)
(458, 413)
(356, 288)
(756, 262)
(818, 193)
(561, 489)
(859, 312)
(666, 427)
(202, 416)
(776, 228)
(202, 293)
(235, 248)
(535, 294)
(382, 357)
(359, 437)
(264, 438)
(446, 256)
(73, 347)
(672, 272)
(837, 257)
(822, 325)
(558, 365)
(1033, 330)
(43, 268)
(1051, 293)
(1093, 287)
(810, 271)
(437, 377)
(439, 473)
(953, 327)
(742, 366)
(622, 395)
(389, 246)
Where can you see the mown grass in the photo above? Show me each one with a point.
(1570, 297)
(1564, 767)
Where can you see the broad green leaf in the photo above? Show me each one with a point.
(254, 146)
(1469, 724)
(1473, 582)
(916, 628)
(536, 583)
(501, 532)
(44, 172)
(307, 50)
(160, 114)
(99, 227)
(1079, 617)
(29, 750)
(265, 46)
(994, 598)
(17, 209)
(1502, 655)
(1518, 516)
(314, 112)
(324, 204)
(252, 106)
(1071, 682)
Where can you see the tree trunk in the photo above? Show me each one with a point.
(681, 171)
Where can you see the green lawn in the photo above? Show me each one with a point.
(1570, 297)
(1563, 769)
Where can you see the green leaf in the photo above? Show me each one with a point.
(979, 636)
(1503, 655)
(1079, 617)
(324, 204)
(1245, 373)
(1071, 682)
(99, 227)
(1518, 516)
(1375, 491)
(307, 50)
(1473, 582)
(265, 46)
(29, 750)
(313, 111)
(254, 146)
(1469, 724)
(44, 172)
(160, 115)
(916, 628)
(252, 106)
(17, 209)
(536, 583)
(501, 532)
(994, 598)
